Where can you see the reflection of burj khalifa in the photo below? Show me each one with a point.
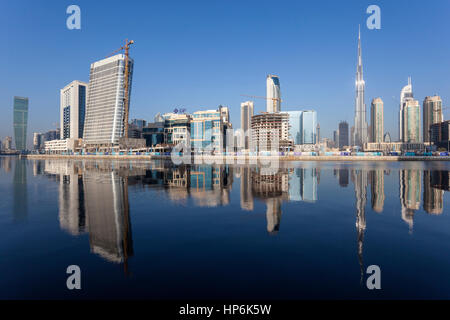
(359, 178)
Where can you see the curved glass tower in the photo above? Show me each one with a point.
(20, 122)
(273, 93)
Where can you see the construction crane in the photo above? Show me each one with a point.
(266, 98)
(126, 73)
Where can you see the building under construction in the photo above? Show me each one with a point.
(270, 132)
(106, 120)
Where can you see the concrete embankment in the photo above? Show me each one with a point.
(228, 159)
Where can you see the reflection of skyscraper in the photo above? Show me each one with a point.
(107, 209)
(308, 189)
(20, 122)
(72, 214)
(20, 204)
(295, 182)
(377, 189)
(409, 194)
(343, 177)
(246, 189)
(273, 215)
(359, 178)
(433, 199)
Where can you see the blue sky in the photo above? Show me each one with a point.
(199, 54)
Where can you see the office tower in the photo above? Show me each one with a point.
(405, 95)
(432, 113)
(440, 134)
(376, 120)
(411, 121)
(360, 134)
(336, 138)
(73, 109)
(105, 114)
(177, 129)
(295, 131)
(139, 123)
(318, 133)
(343, 134)
(352, 136)
(38, 141)
(20, 122)
(207, 131)
(246, 118)
(7, 143)
(273, 94)
(308, 127)
(270, 129)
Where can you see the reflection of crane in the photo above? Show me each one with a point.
(126, 100)
(266, 98)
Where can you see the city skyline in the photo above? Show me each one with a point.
(300, 82)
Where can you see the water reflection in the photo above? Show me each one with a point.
(93, 196)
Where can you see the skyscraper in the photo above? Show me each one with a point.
(343, 134)
(377, 120)
(360, 133)
(104, 122)
(405, 95)
(273, 94)
(411, 121)
(20, 122)
(308, 127)
(73, 109)
(246, 120)
(295, 132)
(432, 113)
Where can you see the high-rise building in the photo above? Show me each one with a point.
(270, 129)
(411, 121)
(246, 118)
(308, 127)
(343, 134)
(38, 141)
(336, 138)
(377, 120)
(440, 134)
(432, 113)
(20, 122)
(7, 143)
(273, 93)
(318, 133)
(405, 95)
(295, 126)
(139, 123)
(360, 134)
(105, 114)
(73, 109)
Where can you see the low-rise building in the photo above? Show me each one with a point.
(60, 146)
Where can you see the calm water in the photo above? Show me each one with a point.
(153, 230)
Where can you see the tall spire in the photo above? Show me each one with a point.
(360, 133)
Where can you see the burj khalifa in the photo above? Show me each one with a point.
(360, 133)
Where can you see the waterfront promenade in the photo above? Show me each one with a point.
(228, 158)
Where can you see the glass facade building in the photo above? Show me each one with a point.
(432, 113)
(308, 127)
(411, 119)
(295, 132)
(105, 113)
(207, 131)
(20, 122)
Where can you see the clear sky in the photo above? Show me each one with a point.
(199, 54)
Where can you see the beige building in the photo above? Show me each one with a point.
(270, 131)
(376, 120)
(432, 113)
